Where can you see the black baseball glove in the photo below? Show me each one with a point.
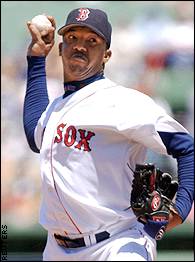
(151, 198)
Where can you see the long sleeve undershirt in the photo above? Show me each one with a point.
(36, 98)
(179, 145)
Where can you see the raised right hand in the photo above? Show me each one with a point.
(41, 43)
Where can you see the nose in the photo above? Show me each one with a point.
(80, 46)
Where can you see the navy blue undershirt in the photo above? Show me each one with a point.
(76, 85)
(36, 97)
(179, 145)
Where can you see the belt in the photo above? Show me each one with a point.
(79, 242)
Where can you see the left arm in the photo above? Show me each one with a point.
(180, 145)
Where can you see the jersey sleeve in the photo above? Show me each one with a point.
(141, 119)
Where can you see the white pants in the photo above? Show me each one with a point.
(129, 245)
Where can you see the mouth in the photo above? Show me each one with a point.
(79, 56)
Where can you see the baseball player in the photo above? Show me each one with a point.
(90, 141)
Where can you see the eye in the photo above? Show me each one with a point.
(71, 37)
(92, 40)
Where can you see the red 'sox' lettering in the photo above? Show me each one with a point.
(84, 140)
(71, 135)
(58, 138)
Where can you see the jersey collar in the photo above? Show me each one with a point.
(71, 87)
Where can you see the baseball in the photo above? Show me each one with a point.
(41, 22)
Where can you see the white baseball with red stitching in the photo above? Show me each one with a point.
(41, 22)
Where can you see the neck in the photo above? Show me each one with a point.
(76, 85)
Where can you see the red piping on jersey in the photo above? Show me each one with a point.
(59, 196)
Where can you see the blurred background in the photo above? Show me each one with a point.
(153, 51)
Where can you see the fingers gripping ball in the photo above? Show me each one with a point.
(42, 23)
(151, 198)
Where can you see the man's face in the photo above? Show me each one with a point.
(83, 53)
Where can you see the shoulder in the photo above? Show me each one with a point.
(123, 89)
(129, 95)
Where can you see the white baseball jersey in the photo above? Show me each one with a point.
(85, 142)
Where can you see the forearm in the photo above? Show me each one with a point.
(174, 220)
(36, 97)
(185, 194)
(181, 147)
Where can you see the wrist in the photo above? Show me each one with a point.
(35, 53)
(36, 60)
(174, 220)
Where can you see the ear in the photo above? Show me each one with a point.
(107, 56)
(60, 48)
